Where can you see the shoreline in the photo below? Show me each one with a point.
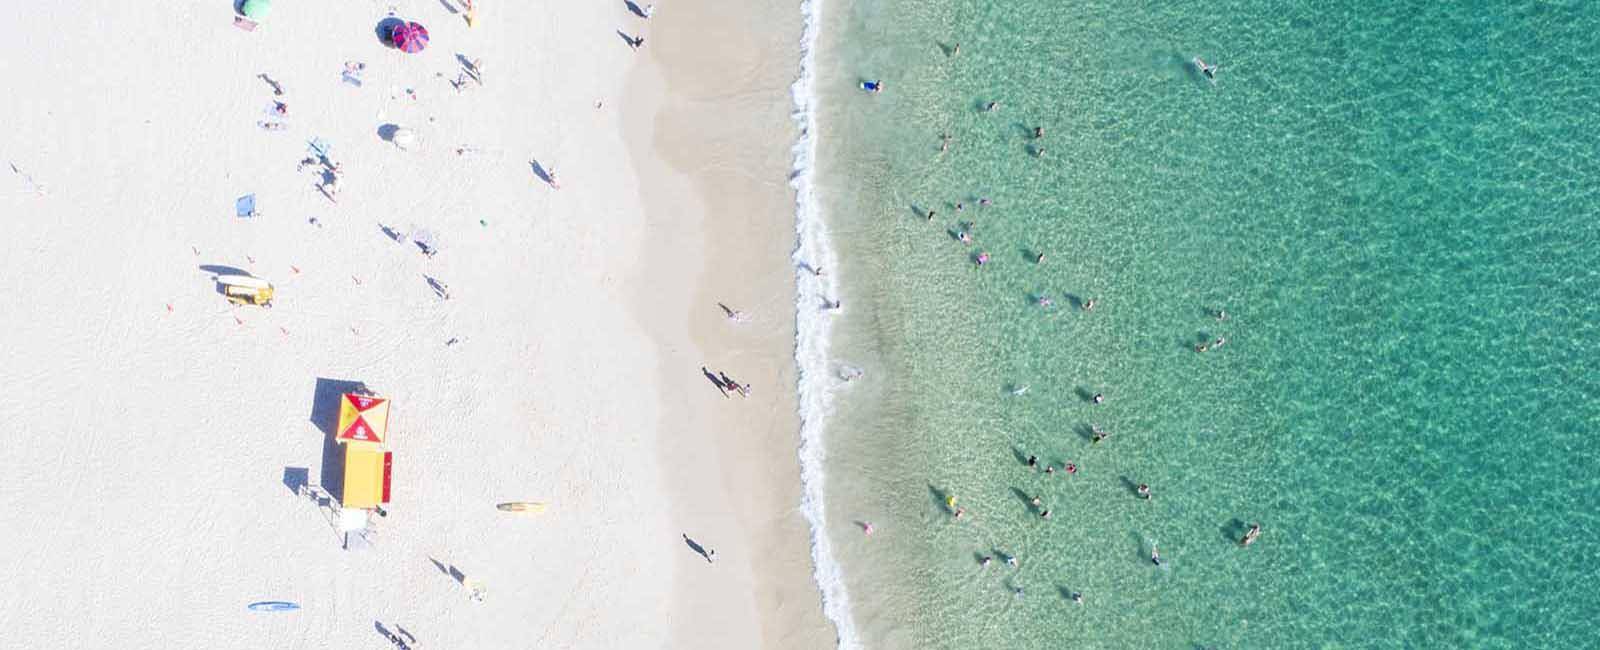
(707, 129)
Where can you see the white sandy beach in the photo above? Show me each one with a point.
(153, 429)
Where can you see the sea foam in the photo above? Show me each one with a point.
(813, 328)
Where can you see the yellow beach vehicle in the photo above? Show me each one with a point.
(246, 290)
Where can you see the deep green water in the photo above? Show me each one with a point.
(1396, 205)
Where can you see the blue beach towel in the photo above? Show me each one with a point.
(245, 206)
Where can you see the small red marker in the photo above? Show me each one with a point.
(294, 268)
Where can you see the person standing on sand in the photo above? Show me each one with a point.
(551, 174)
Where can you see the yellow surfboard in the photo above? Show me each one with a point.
(526, 507)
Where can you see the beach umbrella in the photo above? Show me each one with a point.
(403, 137)
(255, 9)
(410, 37)
(363, 418)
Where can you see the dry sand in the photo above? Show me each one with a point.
(154, 430)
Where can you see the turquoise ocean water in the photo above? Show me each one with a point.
(1396, 204)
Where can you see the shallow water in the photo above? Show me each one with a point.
(1394, 205)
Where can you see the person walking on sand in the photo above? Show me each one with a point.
(636, 42)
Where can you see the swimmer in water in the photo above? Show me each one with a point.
(1077, 598)
(1038, 132)
(1050, 469)
(1045, 301)
(1218, 343)
(1018, 392)
(960, 512)
(1039, 259)
(1154, 556)
(992, 107)
(1098, 434)
(1071, 468)
(930, 215)
(984, 203)
(983, 258)
(944, 143)
(1033, 461)
(985, 561)
(1016, 591)
(1011, 560)
(1222, 314)
(1210, 71)
(1036, 501)
(1099, 398)
(964, 237)
(1144, 491)
(960, 208)
(1250, 537)
(1088, 305)
(1045, 514)
(1201, 348)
